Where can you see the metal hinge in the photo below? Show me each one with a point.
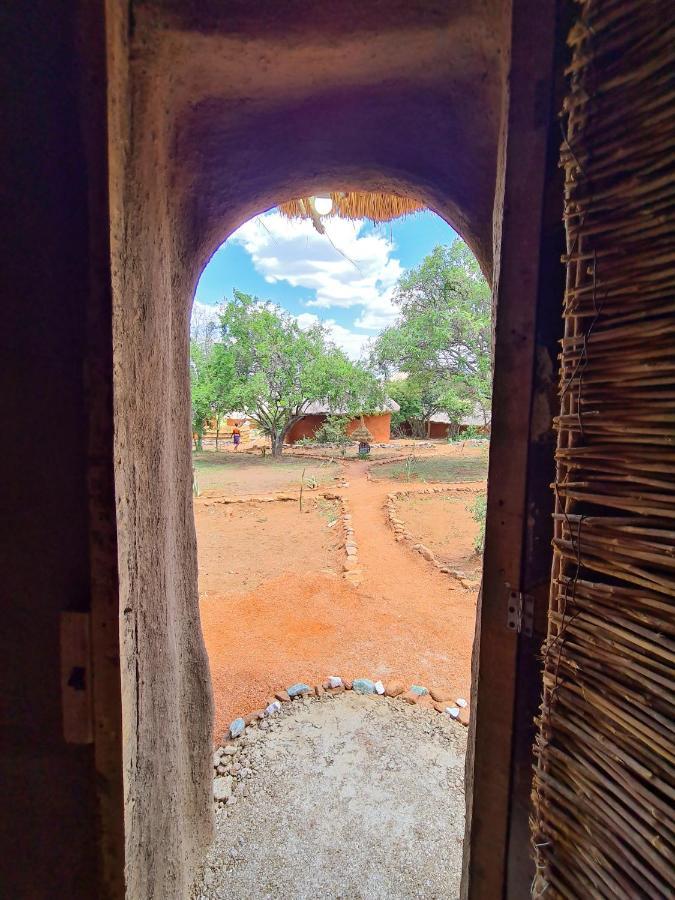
(520, 612)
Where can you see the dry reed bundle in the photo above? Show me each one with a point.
(604, 788)
(356, 205)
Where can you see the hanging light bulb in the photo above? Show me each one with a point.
(323, 205)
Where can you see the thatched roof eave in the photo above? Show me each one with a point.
(377, 207)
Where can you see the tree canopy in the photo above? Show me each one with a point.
(443, 337)
(270, 368)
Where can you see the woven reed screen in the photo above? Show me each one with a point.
(603, 823)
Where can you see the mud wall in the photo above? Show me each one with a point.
(306, 427)
(218, 118)
(438, 429)
(167, 708)
(379, 426)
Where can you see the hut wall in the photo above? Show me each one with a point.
(438, 429)
(306, 427)
(379, 426)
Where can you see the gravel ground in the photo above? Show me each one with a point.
(349, 797)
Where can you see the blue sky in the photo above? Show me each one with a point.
(345, 279)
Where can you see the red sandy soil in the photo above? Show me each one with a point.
(294, 622)
(234, 473)
(444, 523)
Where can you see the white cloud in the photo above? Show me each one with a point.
(352, 343)
(204, 316)
(361, 272)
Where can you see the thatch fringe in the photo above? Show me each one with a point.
(604, 789)
(356, 205)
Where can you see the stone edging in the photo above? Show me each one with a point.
(230, 774)
(351, 571)
(402, 534)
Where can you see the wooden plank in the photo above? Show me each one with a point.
(76, 680)
(104, 32)
(518, 219)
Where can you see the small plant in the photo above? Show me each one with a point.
(329, 510)
(410, 470)
(479, 511)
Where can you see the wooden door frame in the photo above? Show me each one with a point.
(527, 287)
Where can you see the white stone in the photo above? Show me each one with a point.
(452, 711)
(460, 701)
(230, 750)
(334, 681)
(379, 687)
(222, 787)
(273, 708)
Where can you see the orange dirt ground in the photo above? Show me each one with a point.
(274, 611)
(444, 523)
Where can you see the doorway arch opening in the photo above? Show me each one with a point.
(363, 569)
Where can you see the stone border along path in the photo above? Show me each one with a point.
(227, 771)
(401, 533)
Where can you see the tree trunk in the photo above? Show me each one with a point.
(277, 444)
(217, 432)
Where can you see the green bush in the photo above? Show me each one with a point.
(479, 511)
(334, 431)
(470, 433)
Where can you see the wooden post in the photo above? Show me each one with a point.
(494, 866)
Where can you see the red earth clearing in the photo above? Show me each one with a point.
(275, 609)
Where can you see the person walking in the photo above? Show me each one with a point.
(236, 436)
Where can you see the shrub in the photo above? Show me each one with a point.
(334, 431)
(478, 511)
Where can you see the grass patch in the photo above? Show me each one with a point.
(212, 460)
(434, 469)
(245, 473)
(328, 509)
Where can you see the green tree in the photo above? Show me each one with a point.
(422, 395)
(274, 370)
(443, 336)
(202, 391)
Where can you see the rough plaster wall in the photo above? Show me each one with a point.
(224, 123)
(166, 698)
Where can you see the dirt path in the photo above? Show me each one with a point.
(406, 620)
(343, 797)
(433, 617)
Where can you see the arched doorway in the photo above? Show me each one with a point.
(211, 148)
